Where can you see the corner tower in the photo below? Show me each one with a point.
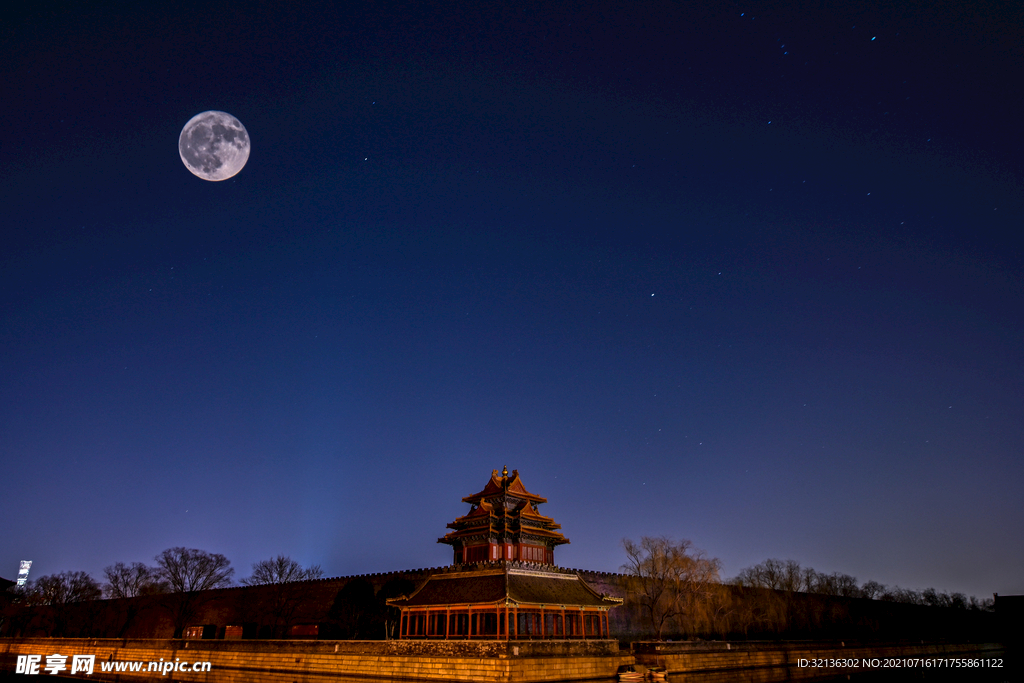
(504, 524)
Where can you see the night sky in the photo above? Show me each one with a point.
(745, 274)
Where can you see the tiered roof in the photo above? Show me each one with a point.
(504, 510)
(503, 583)
(506, 583)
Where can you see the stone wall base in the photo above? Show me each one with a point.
(292, 661)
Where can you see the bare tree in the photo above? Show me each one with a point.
(281, 569)
(897, 594)
(986, 605)
(872, 589)
(132, 581)
(668, 579)
(66, 588)
(774, 574)
(284, 578)
(189, 572)
(790, 577)
(128, 585)
(933, 598)
(769, 604)
(834, 584)
(717, 614)
(60, 591)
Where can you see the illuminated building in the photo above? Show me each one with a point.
(502, 584)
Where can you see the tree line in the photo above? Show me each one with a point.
(789, 576)
(671, 589)
(178, 582)
(676, 590)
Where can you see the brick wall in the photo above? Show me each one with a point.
(227, 606)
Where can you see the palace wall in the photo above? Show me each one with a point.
(325, 609)
(253, 607)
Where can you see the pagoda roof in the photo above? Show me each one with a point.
(489, 529)
(530, 512)
(504, 508)
(504, 583)
(499, 484)
(484, 509)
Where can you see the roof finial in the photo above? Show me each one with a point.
(504, 471)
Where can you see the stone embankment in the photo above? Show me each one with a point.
(327, 661)
(295, 661)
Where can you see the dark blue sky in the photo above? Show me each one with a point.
(749, 275)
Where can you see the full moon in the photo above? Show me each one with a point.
(214, 145)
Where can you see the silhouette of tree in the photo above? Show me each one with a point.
(872, 589)
(774, 574)
(189, 572)
(59, 592)
(285, 579)
(279, 570)
(132, 581)
(789, 576)
(834, 584)
(128, 584)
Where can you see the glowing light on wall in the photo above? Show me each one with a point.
(23, 571)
